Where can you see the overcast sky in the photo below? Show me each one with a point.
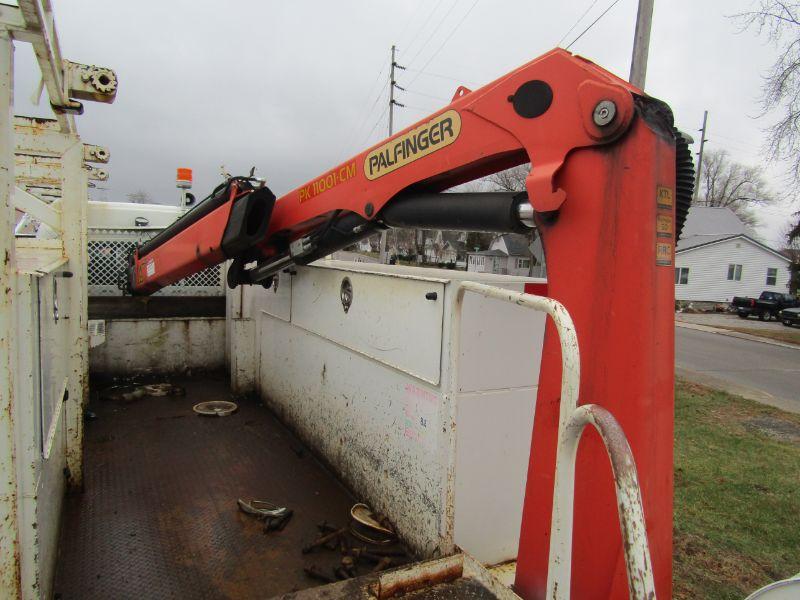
(297, 87)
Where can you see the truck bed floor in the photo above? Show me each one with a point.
(158, 517)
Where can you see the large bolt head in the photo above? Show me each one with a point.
(604, 113)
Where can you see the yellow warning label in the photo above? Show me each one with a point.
(439, 132)
(664, 226)
(664, 197)
(663, 254)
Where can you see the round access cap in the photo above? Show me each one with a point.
(215, 408)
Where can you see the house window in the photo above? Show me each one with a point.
(734, 272)
(772, 276)
(681, 275)
(523, 263)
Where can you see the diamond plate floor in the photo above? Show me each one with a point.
(158, 517)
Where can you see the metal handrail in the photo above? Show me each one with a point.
(572, 421)
(629, 505)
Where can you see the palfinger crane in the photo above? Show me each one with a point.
(609, 187)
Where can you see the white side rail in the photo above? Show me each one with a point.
(572, 421)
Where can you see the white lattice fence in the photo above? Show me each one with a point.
(108, 255)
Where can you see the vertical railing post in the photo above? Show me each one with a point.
(74, 206)
(9, 533)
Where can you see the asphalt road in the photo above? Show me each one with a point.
(762, 372)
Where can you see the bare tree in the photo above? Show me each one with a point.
(792, 234)
(139, 197)
(726, 183)
(478, 240)
(779, 21)
(510, 180)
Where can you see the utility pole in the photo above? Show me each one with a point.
(703, 141)
(392, 104)
(641, 43)
(392, 86)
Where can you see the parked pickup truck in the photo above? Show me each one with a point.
(765, 307)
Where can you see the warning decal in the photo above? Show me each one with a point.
(664, 226)
(663, 254)
(664, 197)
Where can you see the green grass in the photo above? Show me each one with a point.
(787, 334)
(737, 494)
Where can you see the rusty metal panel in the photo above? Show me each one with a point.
(378, 427)
(160, 345)
(9, 546)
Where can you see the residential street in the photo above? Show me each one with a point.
(762, 372)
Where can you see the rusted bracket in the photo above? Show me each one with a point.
(95, 154)
(88, 82)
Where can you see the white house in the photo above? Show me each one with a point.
(508, 254)
(488, 261)
(719, 257)
(446, 247)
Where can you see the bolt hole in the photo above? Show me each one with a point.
(104, 79)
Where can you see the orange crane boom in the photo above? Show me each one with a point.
(608, 197)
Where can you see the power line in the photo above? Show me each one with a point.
(374, 127)
(426, 95)
(365, 115)
(426, 111)
(410, 19)
(726, 145)
(593, 23)
(733, 139)
(429, 74)
(575, 24)
(424, 24)
(434, 31)
(373, 105)
(447, 39)
(365, 118)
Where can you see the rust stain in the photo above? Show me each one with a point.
(415, 578)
